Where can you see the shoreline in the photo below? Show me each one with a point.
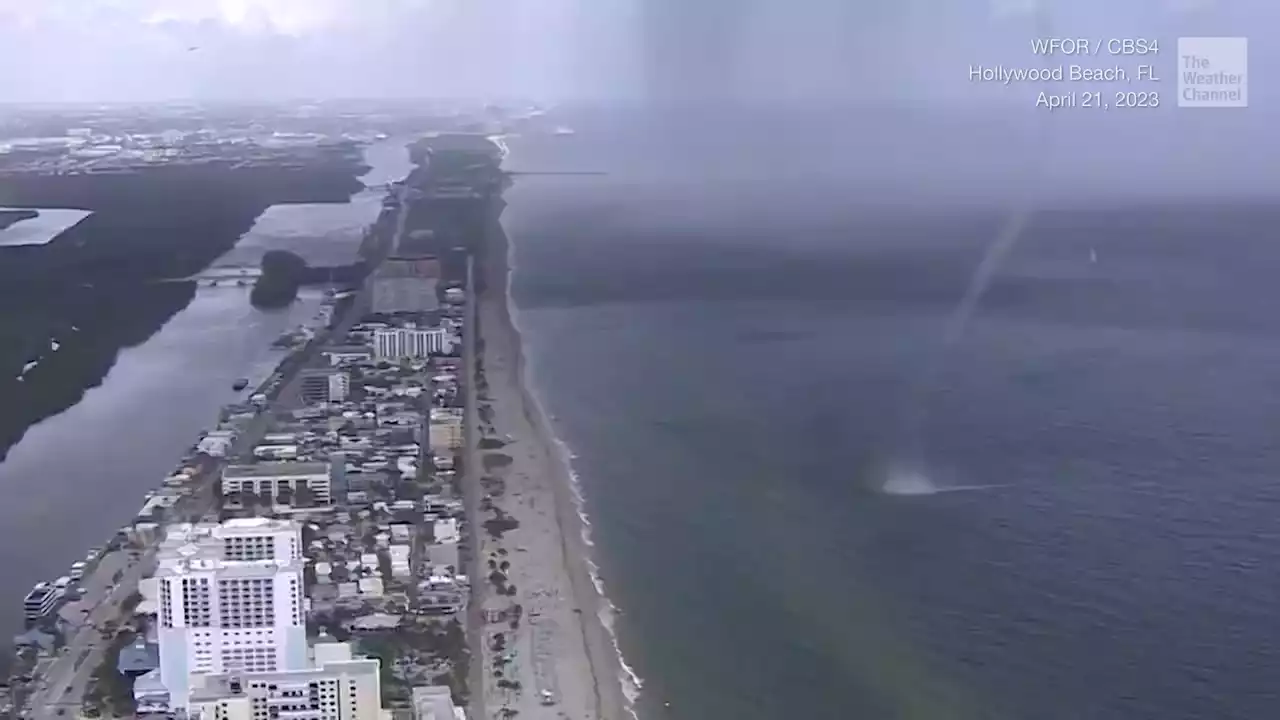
(570, 612)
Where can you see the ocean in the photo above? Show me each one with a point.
(806, 503)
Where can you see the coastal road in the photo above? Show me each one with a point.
(68, 676)
(402, 217)
(471, 498)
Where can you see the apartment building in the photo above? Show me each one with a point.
(231, 600)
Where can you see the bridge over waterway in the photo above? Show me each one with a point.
(222, 274)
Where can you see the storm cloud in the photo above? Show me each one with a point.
(871, 50)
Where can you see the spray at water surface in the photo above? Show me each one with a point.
(909, 474)
(906, 480)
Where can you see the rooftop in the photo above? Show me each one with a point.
(184, 533)
(330, 659)
(318, 372)
(409, 267)
(140, 657)
(348, 349)
(275, 469)
(433, 702)
(460, 142)
(206, 560)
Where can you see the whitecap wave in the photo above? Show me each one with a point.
(908, 481)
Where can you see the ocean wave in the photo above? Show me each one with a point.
(628, 678)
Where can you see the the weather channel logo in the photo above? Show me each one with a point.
(1213, 72)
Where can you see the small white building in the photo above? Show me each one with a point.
(446, 531)
(275, 452)
(340, 354)
(271, 479)
(371, 587)
(435, 702)
(335, 686)
(446, 432)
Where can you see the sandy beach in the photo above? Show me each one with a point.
(546, 653)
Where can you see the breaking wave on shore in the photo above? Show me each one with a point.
(632, 684)
(607, 614)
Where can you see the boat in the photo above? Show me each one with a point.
(240, 384)
(564, 131)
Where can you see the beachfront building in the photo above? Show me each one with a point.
(339, 354)
(412, 342)
(445, 433)
(323, 385)
(280, 480)
(231, 601)
(435, 702)
(41, 601)
(405, 285)
(334, 686)
(339, 386)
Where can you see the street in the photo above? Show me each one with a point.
(471, 498)
(65, 680)
(68, 676)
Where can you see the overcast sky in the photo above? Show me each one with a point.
(914, 49)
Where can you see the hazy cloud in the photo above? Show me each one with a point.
(872, 51)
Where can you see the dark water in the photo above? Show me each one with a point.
(729, 352)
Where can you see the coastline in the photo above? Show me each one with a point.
(569, 616)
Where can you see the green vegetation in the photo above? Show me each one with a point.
(403, 650)
(494, 461)
(109, 692)
(499, 524)
(283, 273)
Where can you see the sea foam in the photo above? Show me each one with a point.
(631, 682)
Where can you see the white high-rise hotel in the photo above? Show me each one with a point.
(231, 601)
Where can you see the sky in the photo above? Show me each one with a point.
(913, 50)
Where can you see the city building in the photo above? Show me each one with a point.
(231, 601)
(339, 354)
(339, 386)
(461, 150)
(276, 479)
(445, 433)
(138, 658)
(334, 686)
(435, 702)
(323, 385)
(412, 342)
(41, 601)
(405, 285)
